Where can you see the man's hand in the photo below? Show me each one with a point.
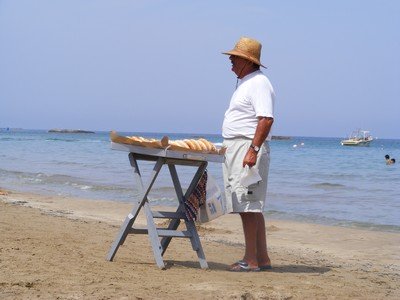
(251, 158)
(263, 127)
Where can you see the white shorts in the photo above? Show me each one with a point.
(237, 197)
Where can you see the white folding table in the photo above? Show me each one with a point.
(161, 237)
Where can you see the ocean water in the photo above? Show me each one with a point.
(311, 179)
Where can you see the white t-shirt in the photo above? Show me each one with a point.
(253, 98)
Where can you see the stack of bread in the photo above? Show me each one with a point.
(139, 141)
(195, 145)
(202, 145)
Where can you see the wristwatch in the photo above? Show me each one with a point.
(256, 148)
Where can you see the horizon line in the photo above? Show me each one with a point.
(185, 133)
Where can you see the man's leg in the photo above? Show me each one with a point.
(262, 252)
(250, 223)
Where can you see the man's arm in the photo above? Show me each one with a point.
(263, 127)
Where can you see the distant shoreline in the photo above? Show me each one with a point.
(281, 137)
(274, 137)
(69, 131)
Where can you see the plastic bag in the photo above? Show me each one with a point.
(213, 208)
(250, 176)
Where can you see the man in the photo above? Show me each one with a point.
(246, 131)
(389, 161)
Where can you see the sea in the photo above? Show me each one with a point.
(311, 179)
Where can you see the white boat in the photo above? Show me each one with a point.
(358, 138)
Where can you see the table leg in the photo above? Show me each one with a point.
(153, 236)
(130, 219)
(190, 225)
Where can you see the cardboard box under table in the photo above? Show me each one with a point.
(161, 237)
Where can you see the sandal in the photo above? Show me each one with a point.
(242, 266)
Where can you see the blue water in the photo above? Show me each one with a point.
(319, 181)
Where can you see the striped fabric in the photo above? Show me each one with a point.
(196, 199)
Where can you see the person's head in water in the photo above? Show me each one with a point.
(387, 156)
(393, 160)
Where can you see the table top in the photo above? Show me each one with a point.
(186, 155)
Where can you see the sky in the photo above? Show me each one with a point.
(156, 66)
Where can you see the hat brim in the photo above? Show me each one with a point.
(242, 55)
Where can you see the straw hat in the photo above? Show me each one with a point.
(247, 48)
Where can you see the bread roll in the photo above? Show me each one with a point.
(191, 145)
(204, 146)
(179, 143)
(135, 138)
(197, 145)
(182, 144)
(210, 146)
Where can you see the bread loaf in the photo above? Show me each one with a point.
(203, 145)
(135, 138)
(192, 146)
(180, 143)
(210, 146)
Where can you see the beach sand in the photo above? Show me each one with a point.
(55, 248)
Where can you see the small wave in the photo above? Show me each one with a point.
(16, 173)
(62, 181)
(163, 190)
(61, 140)
(82, 187)
(95, 141)
(42, 177)
(67, 163)
(113, 188)
(370, 226)
(6, 139)
(328, 186)
(164, 201)
(57, 178)
(69, 140)
(318, 219)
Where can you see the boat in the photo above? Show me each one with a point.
(358, 138)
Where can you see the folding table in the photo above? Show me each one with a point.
(160, 238)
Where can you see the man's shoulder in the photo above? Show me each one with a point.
(260, 78)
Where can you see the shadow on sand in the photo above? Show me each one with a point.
(275, 268)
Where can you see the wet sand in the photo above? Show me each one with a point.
(55, 247)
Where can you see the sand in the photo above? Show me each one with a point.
(55, 247)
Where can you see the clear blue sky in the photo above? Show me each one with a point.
(157, 65)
